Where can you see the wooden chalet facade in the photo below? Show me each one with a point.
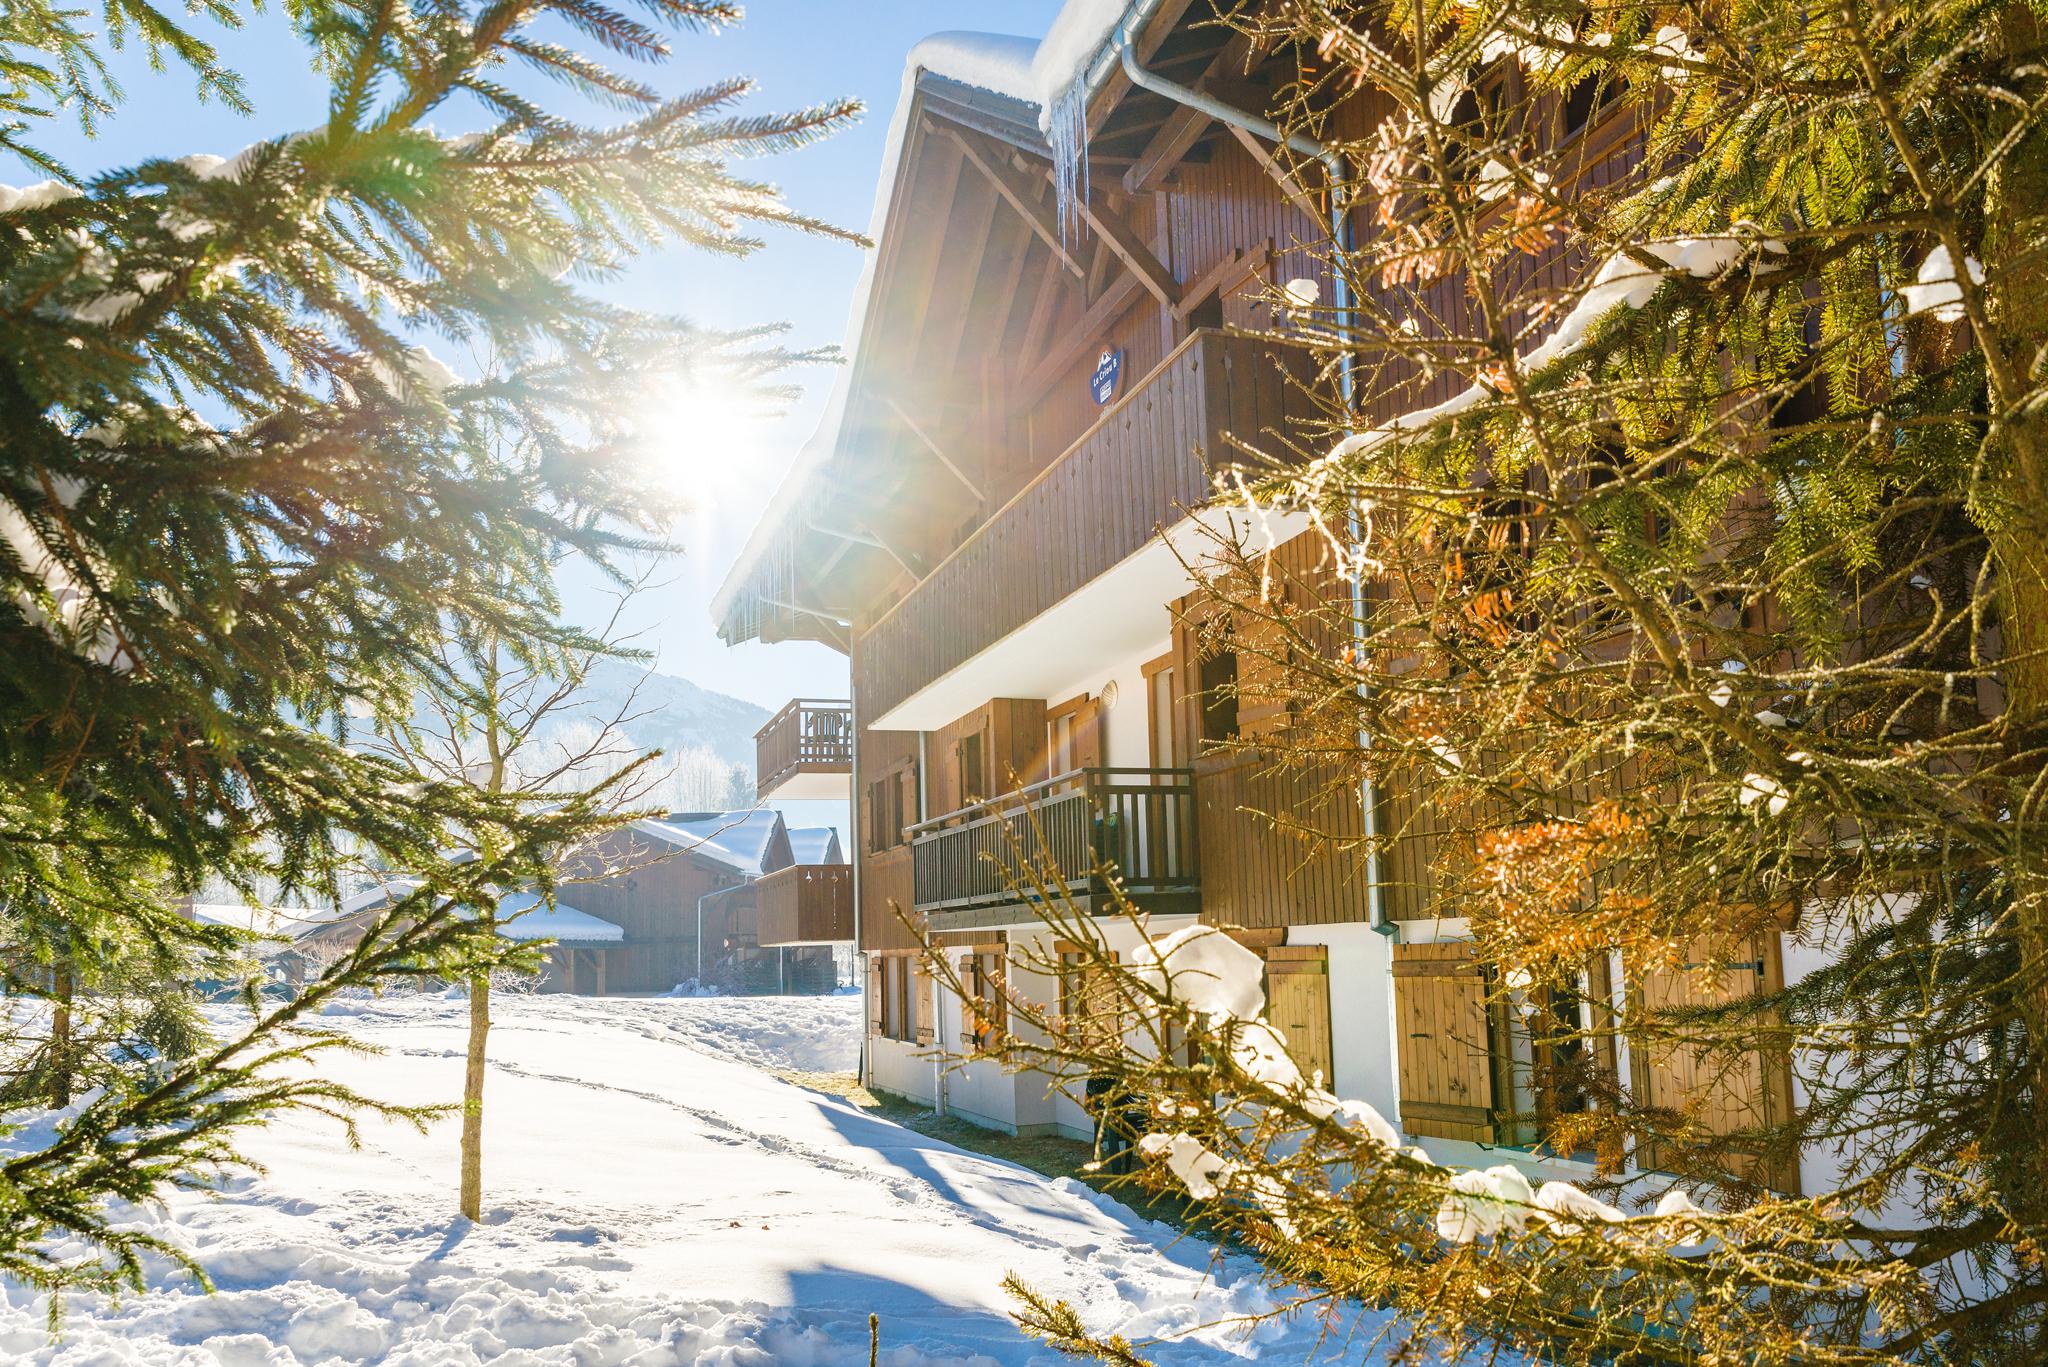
(731, 901)
(993, 524)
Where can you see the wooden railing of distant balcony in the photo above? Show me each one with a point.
(805, 904)
(809, 736)
(1070, 835)
(1149, 459)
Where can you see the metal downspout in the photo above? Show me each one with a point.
(939, 1073)
(857, 839)
(1340, 291)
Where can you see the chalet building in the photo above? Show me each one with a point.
(735, 901)
(993, 523)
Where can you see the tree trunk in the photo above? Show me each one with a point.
(473, 1098)
(60, 1037)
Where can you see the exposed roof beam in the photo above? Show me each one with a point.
(1147, 41)
(806, 609)
(1223, 276)
(1021, 194)
(1223, 78)
(1044, 310)
(1131, 250)
(1083, 335)
(834, 631)
(867, 539)
(969, 237)
(1269, 161)
(934, 447)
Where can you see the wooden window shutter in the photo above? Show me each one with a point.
(998, 997)
(970, 1005)
(1298, 1002)
(1088, 735)
(877, 995)
(1442, 1034)
(1729, 1093)
(923, 1004)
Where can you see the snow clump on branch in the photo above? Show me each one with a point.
(1936, 291)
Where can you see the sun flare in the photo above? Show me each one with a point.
(706, 441)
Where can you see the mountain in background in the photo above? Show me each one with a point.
(674, 715)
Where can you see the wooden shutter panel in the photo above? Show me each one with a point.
(1442, 1034)
(1298, 1001)
(1088, 735)
(998, 997)
(923, 1005)
(1261, 651)
(1729, 1094)
(876, 996)
(970, 1005)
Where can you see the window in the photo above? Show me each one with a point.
(1088, 997)
(1161, 697)
(1541, 1036)
(887, 807)
(897, 984)
(985, 1015)
(1218, 680)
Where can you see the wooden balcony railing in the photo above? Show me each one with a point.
(809, 737)
(1282, 844)
(1075, 833)
(1148, 459)
(805, 904)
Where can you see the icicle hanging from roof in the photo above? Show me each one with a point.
(1067, 131)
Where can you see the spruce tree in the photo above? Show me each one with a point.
(1691, 481)
(243, 502)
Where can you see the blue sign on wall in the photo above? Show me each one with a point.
(1109, 368)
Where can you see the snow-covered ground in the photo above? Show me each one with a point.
(653, 1197)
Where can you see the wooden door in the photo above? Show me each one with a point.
(1442, 1034)
(1298, 1003)
(1728, 1093)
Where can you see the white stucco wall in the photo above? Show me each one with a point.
(1126, 727)
(895, 1066)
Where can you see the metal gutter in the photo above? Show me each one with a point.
(1340, 290)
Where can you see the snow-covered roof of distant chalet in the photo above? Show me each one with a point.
(524, 916)
(742, 841)
(1029, 75)
(377, 894)
(815, 845)
(276, 923)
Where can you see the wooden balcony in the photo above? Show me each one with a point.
(1147, 461)
(805, 904)
(1282, 845)
(991, 864)
(806, 751)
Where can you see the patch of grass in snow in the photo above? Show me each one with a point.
(1047, 1154)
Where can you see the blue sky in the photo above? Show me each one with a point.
(800, 52)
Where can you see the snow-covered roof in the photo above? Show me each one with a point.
(815, 845)
(1034, 73)
(279, 923)
(742, 841)
(523, 916)
(388, 890)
